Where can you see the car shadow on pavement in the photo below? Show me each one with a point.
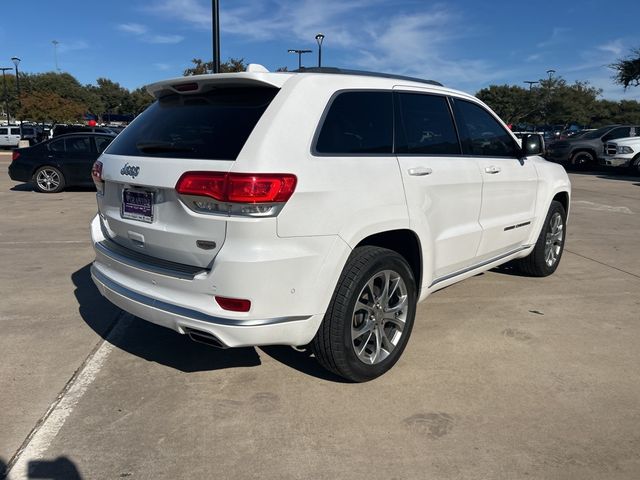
(22, 187)
(62, 468)
(59, 469)
(301, 359)
(148, 341)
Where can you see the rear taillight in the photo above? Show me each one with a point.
(14, 156)
(96, 174)
(234, 304)
(238, 193)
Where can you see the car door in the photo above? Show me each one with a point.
(79, 155)
(14, 136)
(443, 188)
(4, 137)
(510, 182)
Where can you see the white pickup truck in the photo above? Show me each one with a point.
(623, 152)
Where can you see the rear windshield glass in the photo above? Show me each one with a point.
(211, 126)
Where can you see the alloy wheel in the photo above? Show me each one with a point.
(553, 240)
(48, 179)
(379, 317)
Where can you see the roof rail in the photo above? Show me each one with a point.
(342, 71)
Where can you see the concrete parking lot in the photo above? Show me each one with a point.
(505, 377)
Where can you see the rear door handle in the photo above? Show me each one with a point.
(492, 169)
(420, 171)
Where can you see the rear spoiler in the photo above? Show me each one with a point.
(204, 83)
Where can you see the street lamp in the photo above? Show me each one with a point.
(531, 83)
(6, 95)
(319, 39)
(299, 52)
(16, 62)
(550, 72)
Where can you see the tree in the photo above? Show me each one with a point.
(512, 103)
(200, 67)
(49, 106)
(628, 70)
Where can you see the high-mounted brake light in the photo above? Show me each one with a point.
(238, 187)
(185, 87)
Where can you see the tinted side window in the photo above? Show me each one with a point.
(78, 145)
(57, 146)
(358, 122)
(621, 132)
(15, 131)
(481, 134)
(425, 125)
(4, 131)
(102, 143)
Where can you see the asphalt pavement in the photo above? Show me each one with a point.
(505, 377)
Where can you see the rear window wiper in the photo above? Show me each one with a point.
(162, 147)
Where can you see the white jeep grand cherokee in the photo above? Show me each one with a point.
(315, 207)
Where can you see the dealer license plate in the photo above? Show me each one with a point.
(137, 205)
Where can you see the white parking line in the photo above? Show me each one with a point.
(601, 207)
(41, 437)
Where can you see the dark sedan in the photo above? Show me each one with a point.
(58, 163)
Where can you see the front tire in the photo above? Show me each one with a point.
(370, 317)
(545, 256)
(583, 160)
(48, 179)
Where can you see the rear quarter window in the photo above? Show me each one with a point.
(357, 123)
(209, 126)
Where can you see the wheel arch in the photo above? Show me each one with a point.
(406, 243)
(563, 198)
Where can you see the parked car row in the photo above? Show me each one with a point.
(587, 149)
(63, 161)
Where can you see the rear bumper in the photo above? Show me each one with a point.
(288, 301)
(17, 173)
(230, 332)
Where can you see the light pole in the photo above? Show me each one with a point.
(215, 24)
(16, 62)
(55, 53)
(550, 72)
(319, 39)
(531, 83)
(299, 52)
(6, 95)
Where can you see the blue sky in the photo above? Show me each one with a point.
(463, 43)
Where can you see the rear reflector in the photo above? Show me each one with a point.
(234, 304)
(238, 187)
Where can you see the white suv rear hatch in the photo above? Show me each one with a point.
(202, 129)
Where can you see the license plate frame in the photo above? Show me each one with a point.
(137, 205)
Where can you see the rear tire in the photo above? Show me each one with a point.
(370, 317)
(48, 179)
(545, 256)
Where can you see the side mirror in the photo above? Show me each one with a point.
(532, 144)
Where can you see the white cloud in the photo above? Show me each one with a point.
(163, 39)
(71, 46)
(558, 35)
(143, 33)
(135, 28)
(614, 47)
(162, 66)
